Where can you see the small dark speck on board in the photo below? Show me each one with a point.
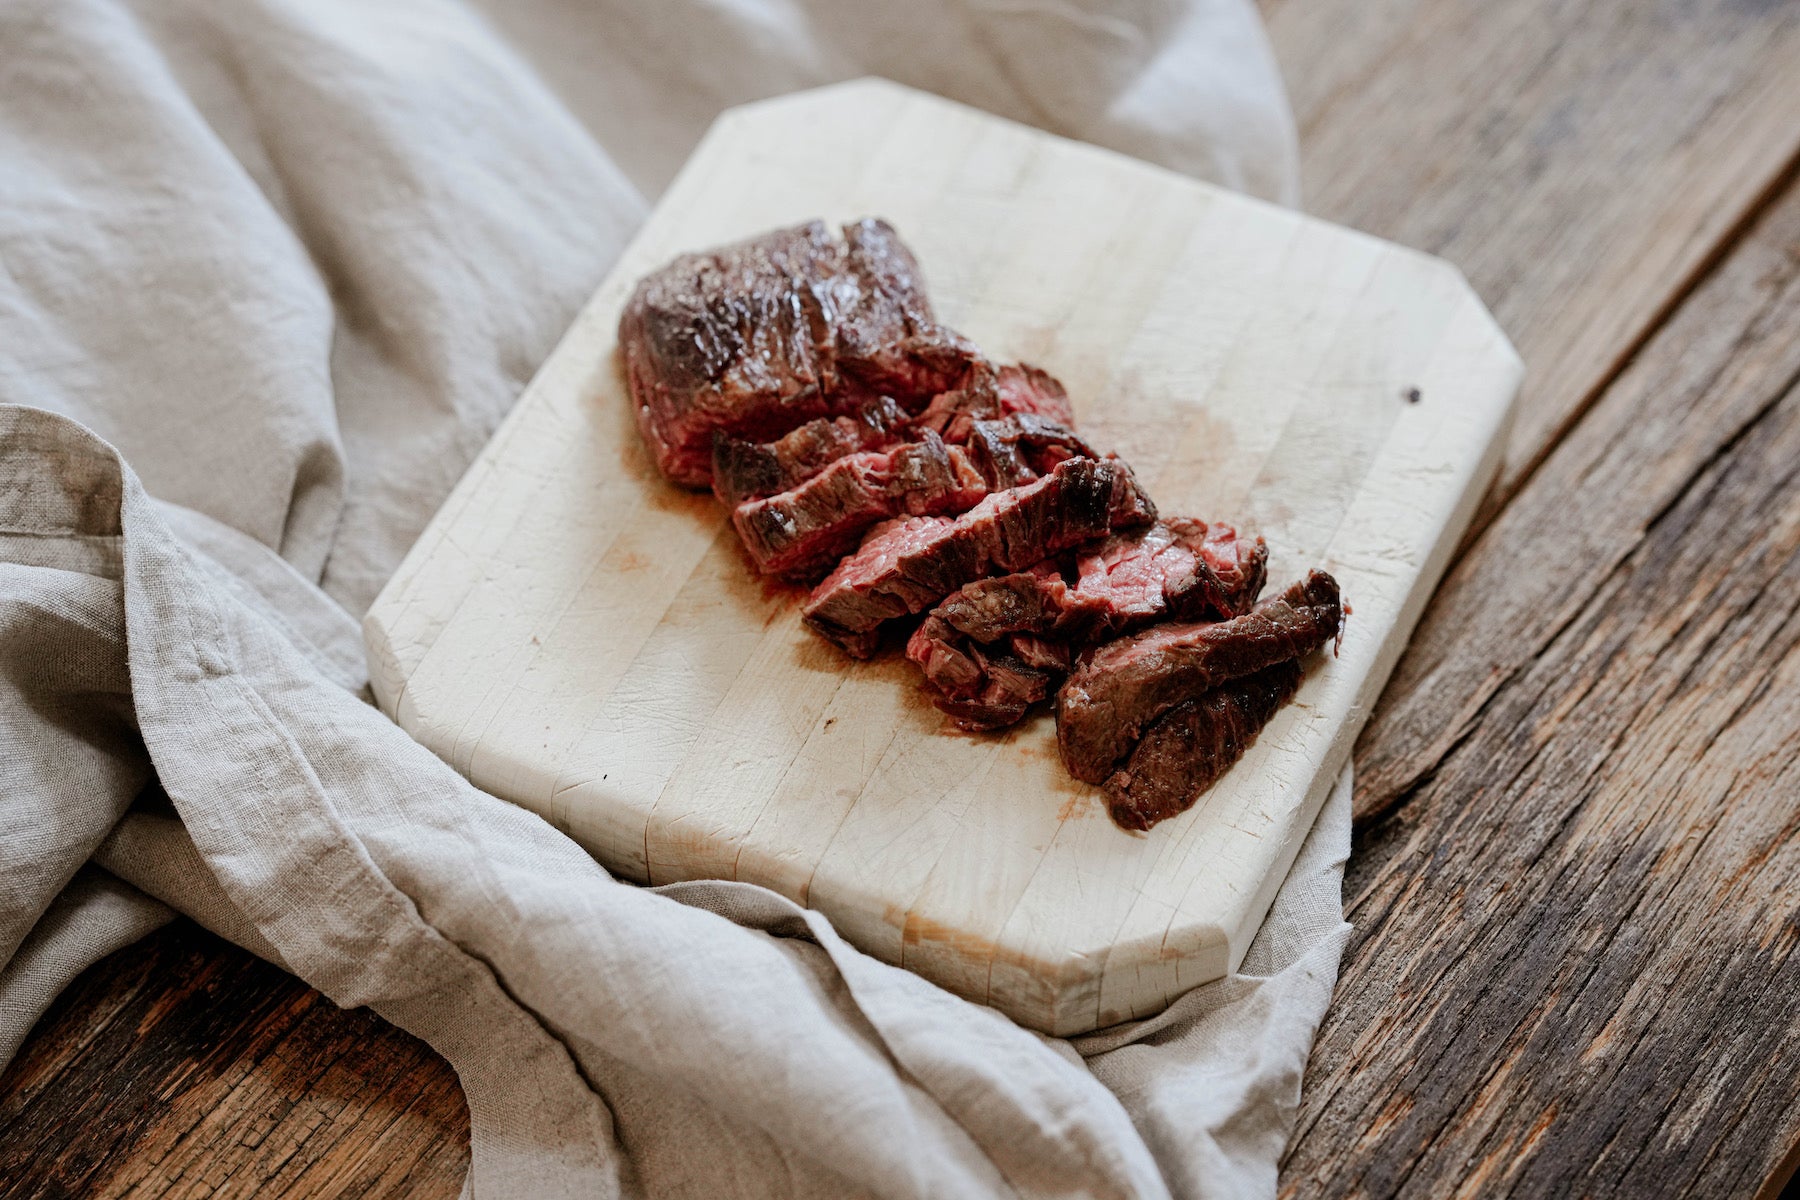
(830, 721)
(1413, 395)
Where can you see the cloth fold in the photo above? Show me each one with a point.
(294, 261)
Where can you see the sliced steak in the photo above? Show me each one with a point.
(802, 532)
(907, 566)
(1039, 617)
(746, 470)
(990, 393)
(1046, 654)
(753, 339)
(983, 687)
(1235, 570)
(1039, 601)
(988, 681)
(1188, 748)
(1017, 449)
(1023, 388)
(1171, 569)
(1121, 687)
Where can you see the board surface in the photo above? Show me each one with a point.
(581, 638)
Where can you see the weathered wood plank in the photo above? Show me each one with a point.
(1573, 971)
(1581, 163)
(182, 1067)
(1676, 407)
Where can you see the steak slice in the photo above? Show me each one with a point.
(1235, 570)
(1189, 747)
(1121, 687)
(1017, 449)
(1046, 654)
(1171, 569)
(989, 393)
(1039, 601)
(756, 338)
(1119, 584)
(983, 687)
(801, 532)
(1023, 388)
(745, 470)
(908, 565)
(1038, 617)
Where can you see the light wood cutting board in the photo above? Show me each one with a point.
(579, 637)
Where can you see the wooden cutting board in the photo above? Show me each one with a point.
(581, 638)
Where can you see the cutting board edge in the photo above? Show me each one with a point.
(1431, 573)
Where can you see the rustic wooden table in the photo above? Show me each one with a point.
(1576, 882)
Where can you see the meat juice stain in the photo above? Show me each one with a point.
(779, 591)
(1078, 807)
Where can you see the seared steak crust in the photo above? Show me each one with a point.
(801, 533)
(753, 339)
(746, 470)
(1121, 687)
(907, 566)
(1016, 449)
(887, 339)
(1188, 748)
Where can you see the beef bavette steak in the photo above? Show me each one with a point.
(746, 470)
(990, 393)
(1016, 449)
(973, 646)
(1186, 749)
(906, 566)
(1006, 450)
(1121, 687)
(801, 533)
(1238, 568)
(753, 339)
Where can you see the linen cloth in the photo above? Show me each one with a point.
(294, 260)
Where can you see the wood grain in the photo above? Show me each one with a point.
(1573, 971)
(184, 1067)
(1583, 163)
(580, 638)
